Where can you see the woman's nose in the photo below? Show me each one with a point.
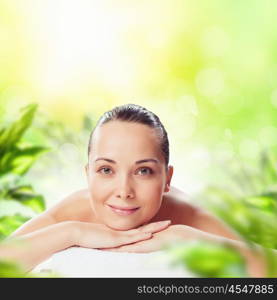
(125, 189)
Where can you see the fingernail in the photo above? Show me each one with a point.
(165, 222)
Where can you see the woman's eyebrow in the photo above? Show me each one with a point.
(137, 162)
(147, 160)
(106, 159)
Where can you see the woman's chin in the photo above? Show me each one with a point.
(122, 227)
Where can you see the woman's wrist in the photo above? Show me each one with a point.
(34, 247)
(72, 233)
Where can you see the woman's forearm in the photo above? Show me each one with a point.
(30, 249)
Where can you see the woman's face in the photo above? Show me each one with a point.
(126, 174)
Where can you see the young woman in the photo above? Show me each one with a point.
(128, 205)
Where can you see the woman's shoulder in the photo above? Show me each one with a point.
(176, 206)
(74, 207)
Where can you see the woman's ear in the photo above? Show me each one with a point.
(168, 178)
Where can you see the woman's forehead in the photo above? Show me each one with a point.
(125, 137)
(125, 130)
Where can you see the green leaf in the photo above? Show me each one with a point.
(19, 161)
(267, 166)
(10, 270)
(88, 124)
(36, 203)
(12, 135)
(26, 196)
(209, 259)
(253, 217)
(9, 224)
(265, 202)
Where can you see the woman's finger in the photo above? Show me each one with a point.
(141, 247)
(151, 227)
(129, 239)
(121, 238)
(155, 227)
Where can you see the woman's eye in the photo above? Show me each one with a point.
(105, 171)
(145, 171)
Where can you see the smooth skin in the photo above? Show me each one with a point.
(126, 171)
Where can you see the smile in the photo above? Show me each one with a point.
(122, 211)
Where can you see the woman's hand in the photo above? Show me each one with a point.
(171, 234)
(91, 235)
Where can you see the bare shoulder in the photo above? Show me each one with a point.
(177, 208)
(74, 207)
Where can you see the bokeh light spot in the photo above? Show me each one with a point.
(268, 136)
(249, 148)
(273, 98)
(210, 82)
(215, 42)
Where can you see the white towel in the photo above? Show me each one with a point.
(84, 262)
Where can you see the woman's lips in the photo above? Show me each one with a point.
(122, 210)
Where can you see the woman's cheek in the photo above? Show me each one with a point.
(153, 197)
(98, 184)
(155, 189)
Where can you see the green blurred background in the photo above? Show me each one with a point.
(208, 69)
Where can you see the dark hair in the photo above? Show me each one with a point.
(137, 114)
